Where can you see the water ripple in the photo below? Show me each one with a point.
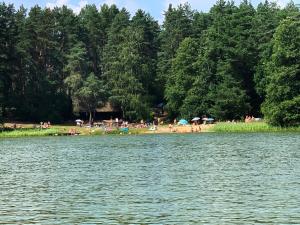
(161, 179)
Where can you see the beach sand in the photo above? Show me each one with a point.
(181, 129)
(161, 129)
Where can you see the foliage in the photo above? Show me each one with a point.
(87, 94)
(282, 105)
(130, 64)
(224, 63)
(176, 27)
(182, 77)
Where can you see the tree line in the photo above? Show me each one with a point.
(227, 63)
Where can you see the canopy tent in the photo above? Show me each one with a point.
(183, 122)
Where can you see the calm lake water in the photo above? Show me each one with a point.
(154, 179)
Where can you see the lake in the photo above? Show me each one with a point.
(151, 179)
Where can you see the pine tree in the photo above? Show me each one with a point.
(183, 74)
(244, 58)
(131, 63)
(264, 24)
(176, 27)
(1, 103)
(229, 99)
(146, 45)
(218, 82)
(92, 34)
(7, 43)
(223, 63)
(282, 105)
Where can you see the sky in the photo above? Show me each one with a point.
(154, 7)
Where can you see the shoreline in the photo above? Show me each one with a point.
(28, 130)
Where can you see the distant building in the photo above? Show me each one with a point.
(104, 113)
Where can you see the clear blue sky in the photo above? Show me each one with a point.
(154, 7)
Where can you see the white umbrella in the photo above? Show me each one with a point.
(196, 119)
(78, 121)
(208, 119)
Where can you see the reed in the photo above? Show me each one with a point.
(251, 127)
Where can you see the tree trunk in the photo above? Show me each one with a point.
(90, 119)
(123, 113)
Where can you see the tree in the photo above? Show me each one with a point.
(146, 45)
(130, 63)
(223, 63)
(127, 92)
(217, 90)
(229, 100)
(282, 104)
(93, 35)
(265, 23)
(7, 43)
(200, 23)
(90, 95)
(244, 57)
(176, 27)
(183, 74)
(1, 103)
(87, 91)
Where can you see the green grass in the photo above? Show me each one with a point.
(251, 127)
(28, 132)
(59, 130)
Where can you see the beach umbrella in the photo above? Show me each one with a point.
(196, 119)
(183, 122)
(78, 121)
(208, 119)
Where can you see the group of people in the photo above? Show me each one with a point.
(72, 131)
(45, 125)
(195, 127)
(249, 119)
(16, 126)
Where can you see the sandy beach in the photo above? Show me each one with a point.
(24, 128)
(182, 129)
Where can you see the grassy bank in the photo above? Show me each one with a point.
(60, 130)
(251, 127)
(28, 132)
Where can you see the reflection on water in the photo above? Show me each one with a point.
(162, 179)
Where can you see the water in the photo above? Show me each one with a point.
(159, 179)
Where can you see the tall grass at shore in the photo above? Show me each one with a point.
(30, 133)
(251, 127)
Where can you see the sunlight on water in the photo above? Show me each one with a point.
(159, 179)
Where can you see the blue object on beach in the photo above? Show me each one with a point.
(183, 122)
(124, 129)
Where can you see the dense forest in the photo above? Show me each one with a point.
(227, 63)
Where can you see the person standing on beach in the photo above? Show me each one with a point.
(171, 127)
